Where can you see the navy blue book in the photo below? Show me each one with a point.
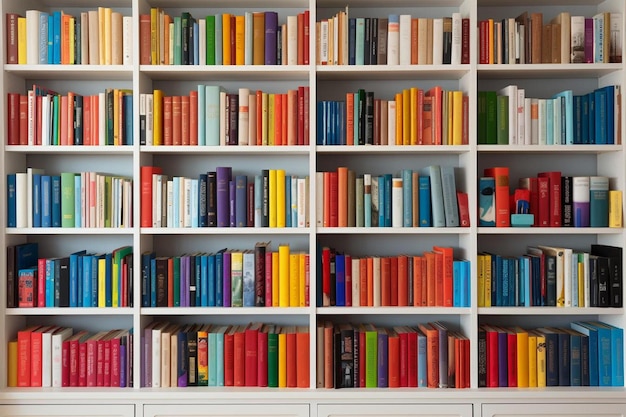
(36, 200)
(552, 356)
(202, 201)
(75, 268)
(351, 41)
(340, 280)
(11, 201)
(153, 284)
(56, 201)
(146, 262)
(575, 357)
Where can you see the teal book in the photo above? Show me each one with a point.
(436, 196)
(599, 201)
(616, 343)
(359, 212)
(425, 218)
(213, 358)
(212, 115)
(178, 41)
(407, 197)
(568, 112)
(359, 43)
(177, 281)
(201, 110)
(605, 366)
(219, 59)
(549, 122)
(210, 40)
(219, 354)
(601, 117)
(67, 199)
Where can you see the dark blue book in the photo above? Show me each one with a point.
(36, 200)
(146, 263)
(62, 282)
(56, 201)
(11, 201)
(46, 201)
(503, 278)
(340, 280)
(153, 283)
(425, 219)
(108, 280)
(222, 278)
(387, 199)
(288, 201)
(552, 356)
(127, 104)
(381, 200)
(202, 201)
(321, 121)
(75, 267)
(318, 276)
(196, 266)
(352, 41)
(241, 201)
(575, 357)
(503, 357)
(584, 119)
(592, 118)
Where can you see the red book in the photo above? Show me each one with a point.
(463, 202)
(92, 360)
(393, 359)
(70, 379)
(385, 281)
(447, 274)
(302, 357)
(436, 93)
(429, 260)
(66, 362)
(106, 381)
(262, 356)
(13, 103)
(512, 357)
(543, 201)
(167, 121)
(403, 356)
(170, 282)
(306, 132)
(417, 281)
(412, 336)
(11, 38)
(100, 360)
(278, 119)
(24, 356)
(23, 129)
(491, 335)
(483, 52)
(554, 183)
(283, 114)
(301, 110)
(393, 275)
(146, 194)
(185, 115)
(465, 41)
(239, 362)
(503, 210)
(193, 118)
(292, 363)
(177, 120)
(251, 340)
(229, 357)
(82, 363)
(403, 280)
(115, 360)
(144, 39)
(36, 355)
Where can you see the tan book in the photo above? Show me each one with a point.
(414, 40)
(84, 36)
(536, 31)
(563, 19)
(108, 46)
(117, 39)
(556, 44)
(429, 42)
(422, 38)
(258, 38)
(94, 37)
(546, 45)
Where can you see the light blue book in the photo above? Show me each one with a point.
(359, 43)
(407, 197)
(220, 354)
(57, 38)
(219, 60)
(196, 43)
(568, 111)
(258, 200)
(367, 200)
(43, 38)
(85, 280)
(50, 39)
(422, 380)
(248, 279)
(248, 39)
(457, 279)
(288, 201)
(212, 115)
(49, 282)
(450, 204)
(213, 359)
(201, 110)
(524, 262)
(436, 196)
(194, 203)
(549, 122)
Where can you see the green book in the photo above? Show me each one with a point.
(176, 281)
(118, 255)
(491, 120)
(503, 120)
(371, 357)
(272, 358)
(599, 201)
(108, 195)
(55, 119)
(178, 41)
(210, 40)
(67, 199)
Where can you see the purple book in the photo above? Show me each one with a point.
(122, 365)
(589, 40)
(226, 278)
(147, 358)
(271, 25)
(383, 347)
(224, 176)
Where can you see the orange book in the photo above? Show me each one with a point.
(144, 40)
(399, 119)
(418, 301)
(342, 196)
(300, 52)
(394, 281)
(157, 130)
(385, 281)
(240, 40)
(177, 120)
(349, 119)
(302, 357)
(329, 355)
(170, 282)
(226, 52)
(414, 43)
(370, 282)
(292, 117)
(65, 38)
(185, 124)
(438, 272)
(292, 363)
(403, 281)
(413, 116)
(239, 359)
(363, 282)
(431, 299)
(447, 274)
(393, 359)
(258, 38)
(437, 99)
(432, 354)
(278, 119)
(167, 19)
(503, 210)
(24, 356)
(193, 118)
(167, 121)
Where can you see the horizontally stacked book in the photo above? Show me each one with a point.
(414, 117)
(256, 277)
(255, 38)
(566, 39)
(95, 37)
(392, 40)
(433, 279)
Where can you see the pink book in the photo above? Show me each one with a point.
(268, 278)
(63, 139)
(41, 282)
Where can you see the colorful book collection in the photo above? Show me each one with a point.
(413, 198)
(221, 199)
(210, 116)
(587, 353)
(93, 37)
(392, 40)
(256, 277)
(44, 117)
(86, 199)
(508, 117)
(82, 279)
(414, 117)
(255, 38)
(433, 279)
(552, 276)
(554, 200)
(56, 356)
(367, 356)
(565, 39)
(253, 355)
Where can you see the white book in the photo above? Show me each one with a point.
(457, 38)
(157, 190)
(252, 118)
(511, 92)
(46, 356)
(185, 203)
(248, 42)
(319, 199)
(527, 121)
(599, 54)
(21, 200)
(438, 41)
(391, 122)
(405, 39)
(335, 41)
(156, 354)
(542, 137)
(194, 202)
(292, 40)
(356, 284)
(324, 42)
(577, 41)
(149, 119)
(557, 109)
(521, 116)
(567, 276)
(57, 354)
(202, 41)
(45, 120)
(303, 197)
(170, 203)
(586, 279)
(32, 37)
(393, 40)
(127, 38)
(397, 206)
(30, 200)
(244, 116)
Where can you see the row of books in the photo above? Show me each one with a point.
(82, 279)
(392, 40)
(44, 117)
(565, 39)
(55, 356)
(253, 355)
(414, 117)
(587, 353)
(211, 116)
(552, 276)
(413, 198)
(434, 278)
(86, 199)
(508, 117)
(255, 38)
(363, 355)
(221, 199)
(94, 37)
(553, 200)
(256, 277)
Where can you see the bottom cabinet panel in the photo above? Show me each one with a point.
(226, 410)
(386, 410)
(63, 410)
(554, 410)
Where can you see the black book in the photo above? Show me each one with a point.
(192, 355)
(362, 115)
(614, 255)
(161, 282)
(346, 357)
(567, 215)
(185, 29)
(373, 50)
(265, 190)
(193, 288)
(367, 43)
(593, 281)
(369, 118)
(603, 281)
(482, 357)
(78, 119)
(211, 199)
(260, 250)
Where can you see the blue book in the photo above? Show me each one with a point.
(209, 274)
(584, 119)
(46, 201)
(601, 117)
(50, 282)
(592, 118)
(448, 188)
(381, 201)
(407, 197)
(567, 98)
(36, 200)
(610, 114)
(78, 220)
(50, 31)
(578, 110)
(11, 201)
(616, 343)
(146, 259)
(387, 199)
(513, 268)
(241, 201)
(549, 122)
(196, 34)
(457, 279)
(201, 111)
(222, 278)
(424, 202)
(359, 57)
(525, 284)
(340, 280)
(422, 380)
(153, 285)
(465, 284)
(86, 280)
(75, 259)
(56, 201)
(352, 41)
(321, 117)
(592, 334)
(56, 47)
(197, 277)
(502, 298)
(598, 201)
(288, 221)
(575, 349)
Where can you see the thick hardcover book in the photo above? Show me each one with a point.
(598, 201)
(554, 183)
(615, 280)
(502, 208)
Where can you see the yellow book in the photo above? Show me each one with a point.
(303, 275)
(72, 49)
(157, 117)
(532, 359)
(101, 43)
(264, 117)
(282, 358)
(272, 198)
(12, 364)
(413, 115)
(283, 275)
(116, 116)
(447, 128)
(457, 117)
(21, 40)
(294, 280)
(236, 280)
(522, 357)
(271, 118)
(406, 117)
(487, 264)
(480, 260)
(581, 280)
(154, 38)
(281, 217)
(331, 41)
(203, 355)
(108, 46)
(541, 360)
(102, 282)
(115, 284)
(240, 40)
(399, 114)
(615, 208)
(275, 279)
(226, 39)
